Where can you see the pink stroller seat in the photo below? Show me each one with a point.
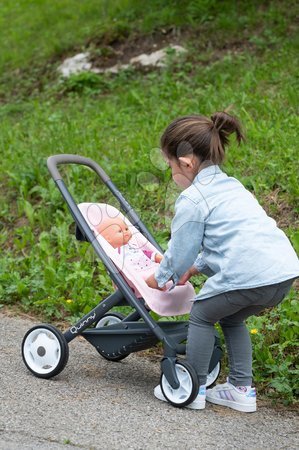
(165, 303)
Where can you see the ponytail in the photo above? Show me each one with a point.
(223, 126)
(204, 137)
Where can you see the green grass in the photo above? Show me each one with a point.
(117, 121)
(38, 34)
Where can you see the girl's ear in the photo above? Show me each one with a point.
(187, 161)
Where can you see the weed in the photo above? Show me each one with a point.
(84, 82)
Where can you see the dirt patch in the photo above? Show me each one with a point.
(277, 206)
(105, 53)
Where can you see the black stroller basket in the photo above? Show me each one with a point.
(115, 336)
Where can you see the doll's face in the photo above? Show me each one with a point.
(115, 231)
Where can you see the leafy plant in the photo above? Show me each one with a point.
(84, 82)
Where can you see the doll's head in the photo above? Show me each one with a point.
(115, 231)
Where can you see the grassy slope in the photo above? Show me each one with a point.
(242, 55)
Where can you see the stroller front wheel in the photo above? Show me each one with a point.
(45, 351)
(188, 389)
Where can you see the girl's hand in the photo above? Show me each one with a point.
(190, 272)
(158, 258)
(152, 283)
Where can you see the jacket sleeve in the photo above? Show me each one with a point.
(187, 230)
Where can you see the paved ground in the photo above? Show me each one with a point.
(96, 404)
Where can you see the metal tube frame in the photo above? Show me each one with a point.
(169, 345)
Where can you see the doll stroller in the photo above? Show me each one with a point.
(45, 349)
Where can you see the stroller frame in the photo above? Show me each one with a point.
(115, 341)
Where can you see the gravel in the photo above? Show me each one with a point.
(97, 404)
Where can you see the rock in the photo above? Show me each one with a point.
(76, 64)
(156, 58)
(80, 63)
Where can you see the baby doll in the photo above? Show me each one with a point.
(118, 235)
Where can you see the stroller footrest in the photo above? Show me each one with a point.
(128, 337)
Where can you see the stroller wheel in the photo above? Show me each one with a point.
(105, 321)
(109, 319)
(188, 388)
(45, 351)
(213, 375)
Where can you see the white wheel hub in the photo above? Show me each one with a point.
(107, 320)
(181, 394)
(42, 351)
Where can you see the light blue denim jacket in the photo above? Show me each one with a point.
(221, 229)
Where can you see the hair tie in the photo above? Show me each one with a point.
(214, 125)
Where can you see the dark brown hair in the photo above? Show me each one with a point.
(204, 137)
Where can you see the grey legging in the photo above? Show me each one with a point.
(230, 309)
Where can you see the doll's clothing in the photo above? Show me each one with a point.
(140, 260)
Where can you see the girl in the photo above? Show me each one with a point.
(219, 229)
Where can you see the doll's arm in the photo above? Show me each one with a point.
(158, 258)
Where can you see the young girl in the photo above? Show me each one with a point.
(219, 229)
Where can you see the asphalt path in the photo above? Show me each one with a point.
(96, 404)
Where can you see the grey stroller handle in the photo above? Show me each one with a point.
(55, 160)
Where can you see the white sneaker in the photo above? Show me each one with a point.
(198, 403)
(241, 398)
